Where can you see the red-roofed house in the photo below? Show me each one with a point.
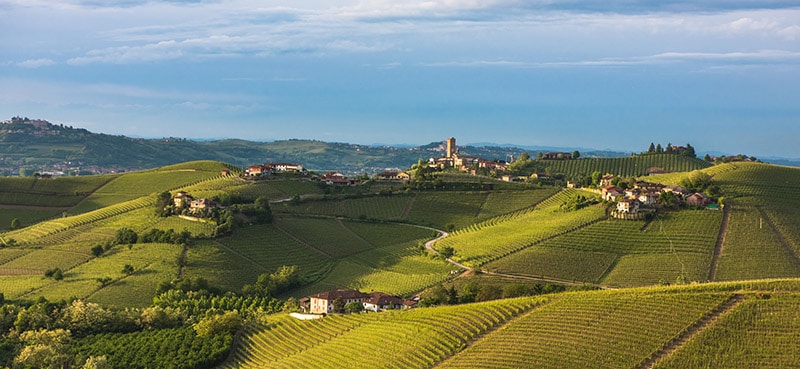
(322, 303)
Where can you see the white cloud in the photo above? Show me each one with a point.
(36, 63)
(790, 33)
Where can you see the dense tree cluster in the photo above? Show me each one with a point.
(475, 292)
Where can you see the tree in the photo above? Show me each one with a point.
(291, 305)
(354, 307)
(576, 154)
(163, 200)
(45, 349)
(596, 176)
(125, 235)
(97, 250)
(539, 155)
(690, 151)
(447, 252)
(707, 158)
(659, 149)
(229, 322)
(652, 148)
(15, 224)
(338, 305)
(97, 362)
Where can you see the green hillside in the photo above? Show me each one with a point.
(368, 238)
(673, 327)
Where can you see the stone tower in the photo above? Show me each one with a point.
(451, 147)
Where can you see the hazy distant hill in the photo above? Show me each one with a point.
(38, 145)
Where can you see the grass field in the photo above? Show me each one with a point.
(26, 216)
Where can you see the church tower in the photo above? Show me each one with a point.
(451, 147)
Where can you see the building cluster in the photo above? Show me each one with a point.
(323, 303)
(465, 163)
(183, 200)
(646, 195)
(263, 170)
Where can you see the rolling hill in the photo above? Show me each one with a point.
(742, 265)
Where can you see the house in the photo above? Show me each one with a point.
(202, 204)
(648, 186)
(606, 180)
(286, 167)
(697, 199)
(379, 301)
(332, 175)
(404, 176)
(572, 184)
(611, 193)
(632, 193)
(322, 303)
(256, 170)
(679, 191)
(628, 206)
(181, 198)
(225, 173)
(649, 198)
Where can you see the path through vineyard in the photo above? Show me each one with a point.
(723, 230)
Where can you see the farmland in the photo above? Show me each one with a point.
(634, 166)
(598, 329)
(492, 240)
(624, 253)
(354, 238)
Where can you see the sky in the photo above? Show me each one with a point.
(617, 74)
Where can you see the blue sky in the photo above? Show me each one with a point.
(721, 75)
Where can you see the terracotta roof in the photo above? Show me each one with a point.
(344, 294)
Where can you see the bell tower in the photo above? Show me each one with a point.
(451, 147)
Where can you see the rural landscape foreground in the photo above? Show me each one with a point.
(657, 259)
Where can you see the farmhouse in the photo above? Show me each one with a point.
(202, 204)
(181, 198)
(322, 303)
(286, 167)
(606, 180)
(628, 206)
(256, 170)
(697, 199)
(611, 193)
(379, 301)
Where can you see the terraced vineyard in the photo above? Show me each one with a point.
(620, 253)
(416, 338)
(493, 240)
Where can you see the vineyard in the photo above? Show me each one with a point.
(760, 333)
(589, 330)
(500, 237)
(55, 192)
(597, 329)
(634, 166)
(621, 253)
(416, 338)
